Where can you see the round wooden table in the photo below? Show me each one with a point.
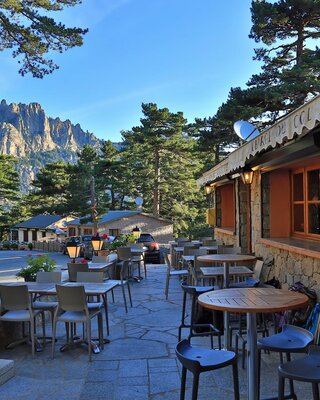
(251, 301)
(226, 259)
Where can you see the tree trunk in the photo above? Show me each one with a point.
(300, 43)
(156, 188)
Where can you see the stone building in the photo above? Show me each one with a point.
(266, 196)
(115, 223)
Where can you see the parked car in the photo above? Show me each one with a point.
(151, 256)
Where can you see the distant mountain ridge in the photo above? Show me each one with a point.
(27, 133)
(26, 128)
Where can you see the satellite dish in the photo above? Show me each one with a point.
(245, 130)
(139, 201)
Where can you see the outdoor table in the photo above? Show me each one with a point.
(137, 252)
(226, 259)
(91, 289)
(215, 272)
(252, 301)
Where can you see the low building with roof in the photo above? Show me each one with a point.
(114, 223)
(41, 227)
(265, 196)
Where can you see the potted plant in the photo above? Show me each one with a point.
(40, 262)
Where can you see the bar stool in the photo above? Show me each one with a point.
(198, 360)
(292, 339)
(305, 369)
(209, 328)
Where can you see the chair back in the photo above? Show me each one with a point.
(209, 242)
(182, 239)
(137, 246)
(196, 251)
(15, 297)
(90, 277)
(72, 298)
(124, 253)
(257, 270)
(99, 259)
(189, 247)
(73, 268)
(229, 250)
(184, 244)
(49, 277)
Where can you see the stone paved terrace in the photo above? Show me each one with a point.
(138, 364)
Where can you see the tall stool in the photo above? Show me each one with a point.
(209, 328)
(197, 360)
(292, 339)
(305, 369)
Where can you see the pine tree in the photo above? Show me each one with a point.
(26, 27)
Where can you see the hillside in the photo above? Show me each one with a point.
(27, 133)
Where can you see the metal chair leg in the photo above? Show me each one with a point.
(315, 391)
(195, 386)
(235, 380)
(183, 383)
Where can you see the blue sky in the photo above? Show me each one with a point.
(181, 54)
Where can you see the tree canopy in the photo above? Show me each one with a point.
(27, 28)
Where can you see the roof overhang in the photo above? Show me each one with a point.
(296, 124)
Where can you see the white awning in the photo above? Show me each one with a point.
(297, 123)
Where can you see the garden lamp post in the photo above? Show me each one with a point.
(97, 243)
(136, 232)
(73, 250)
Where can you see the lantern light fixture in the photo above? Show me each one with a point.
(247, 176)
(96, 243)
(73, 249)
(136, 232)
(208, 189)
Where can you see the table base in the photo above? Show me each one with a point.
(71, 345)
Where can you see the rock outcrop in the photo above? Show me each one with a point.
(35, 139)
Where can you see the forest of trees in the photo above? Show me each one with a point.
(161, 158)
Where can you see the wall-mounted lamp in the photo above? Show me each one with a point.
(247, 176)
(208, 189)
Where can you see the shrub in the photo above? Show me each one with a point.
(40, 262)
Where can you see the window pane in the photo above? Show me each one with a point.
(298, 218)
(298, 187)
(314, 185)
(314, 218)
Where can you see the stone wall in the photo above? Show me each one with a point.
(290, 267)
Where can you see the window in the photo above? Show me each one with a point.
(306, 202)
(225, 206)
(25, 236)
(87, 231)
(114, 232)
(34, 235)
(72, 231)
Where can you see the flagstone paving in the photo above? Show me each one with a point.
(138, 364)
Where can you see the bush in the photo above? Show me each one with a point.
(6, 245)
(30, 246)
(40, 262)
(14, 246)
